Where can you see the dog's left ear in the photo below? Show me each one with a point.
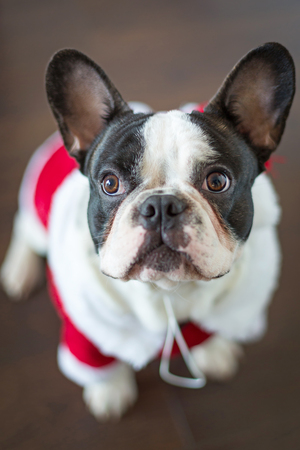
(256, 97)
(82, 98)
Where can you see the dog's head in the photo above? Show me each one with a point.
(170, 193)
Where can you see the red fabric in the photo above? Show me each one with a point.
(193, 335)
(87, 353)
(82, 348)
(77, 343)
(58, 166)
(269, 165)
(201, 107)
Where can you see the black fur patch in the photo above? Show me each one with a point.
(236, 159)
(117, 150)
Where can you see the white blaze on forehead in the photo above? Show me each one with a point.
(172, 145)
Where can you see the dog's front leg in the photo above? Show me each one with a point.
(112, 396)
(22, 270)
(217, 357)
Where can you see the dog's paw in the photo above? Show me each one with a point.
(218, 358)
(110, 398)
(22, 270)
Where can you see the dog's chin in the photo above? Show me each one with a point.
(165, 268)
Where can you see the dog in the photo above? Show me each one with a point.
(150, 220)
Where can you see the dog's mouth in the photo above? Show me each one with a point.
(163, 261)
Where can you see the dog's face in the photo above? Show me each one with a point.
(170, 193)
(170, 199)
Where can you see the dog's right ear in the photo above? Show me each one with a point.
(256, 97)
(82, 98)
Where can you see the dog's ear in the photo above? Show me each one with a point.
(82, 98)
(256, 97)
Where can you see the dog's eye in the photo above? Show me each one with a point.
(216, 182)
(111, 185)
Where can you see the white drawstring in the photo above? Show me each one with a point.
(174, 333)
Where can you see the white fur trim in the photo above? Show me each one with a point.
(79, 372)
(266, 208)
(139, 107)
(188, 107)
(27, 221)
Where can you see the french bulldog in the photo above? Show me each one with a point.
(148, 206)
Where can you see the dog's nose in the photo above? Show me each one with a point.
(161, 211)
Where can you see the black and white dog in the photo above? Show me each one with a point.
(172, 204)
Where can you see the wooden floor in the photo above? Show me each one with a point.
(164, 52)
